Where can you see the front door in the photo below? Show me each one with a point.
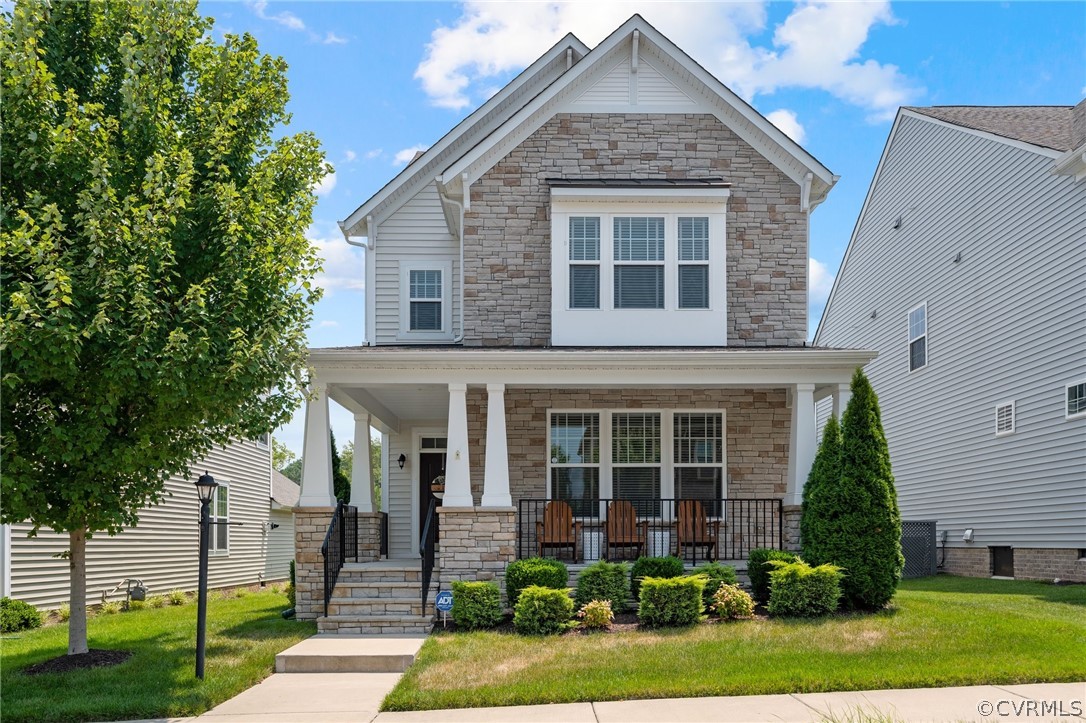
(431, 466)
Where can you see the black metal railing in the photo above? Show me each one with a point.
(606, 529)
(427, 547)
(383, 552)
(340, 543)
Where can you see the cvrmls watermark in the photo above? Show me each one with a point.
(1020, 708)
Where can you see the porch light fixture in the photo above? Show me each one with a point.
(402, 460)
(205, 488)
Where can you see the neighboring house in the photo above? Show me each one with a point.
(593, 288)
(966, 273)
(163, 549)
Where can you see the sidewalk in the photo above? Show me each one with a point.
(335, 697)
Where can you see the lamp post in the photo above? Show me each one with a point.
(205, 488)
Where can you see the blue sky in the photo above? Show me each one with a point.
(375, 81)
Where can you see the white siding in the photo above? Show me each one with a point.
(655, 89)
(612, 89)
(415, 232)
(1006, 322)
(400, 490)
(162, 550)
(280, 545)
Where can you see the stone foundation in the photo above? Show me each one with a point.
(310, 527)
(369, 536)
(476, 543)
(791, 514)
(1030, 563)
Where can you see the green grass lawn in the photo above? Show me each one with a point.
(243, 636)
(940, 631)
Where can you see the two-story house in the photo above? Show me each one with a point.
(592, 290)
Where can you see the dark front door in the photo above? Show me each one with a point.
(431, 466)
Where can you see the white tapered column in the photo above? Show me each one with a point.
(802, 445)
(361, 474)
(317, 490)
(840, 400)
(496, 474)
(457, 464)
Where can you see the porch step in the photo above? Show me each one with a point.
(370, 606)
(350, 654)
(375, 624)
(376, 590)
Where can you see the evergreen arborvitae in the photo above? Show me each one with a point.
(825, 472)
(341, 484)
(855, 522)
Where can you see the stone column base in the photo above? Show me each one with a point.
(310, 527)
(791, 516)
(475, 543)
(369, 536)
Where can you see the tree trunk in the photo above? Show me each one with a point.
(77, 563)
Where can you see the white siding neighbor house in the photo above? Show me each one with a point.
(162, 550)
(587, 303)
(966, 272)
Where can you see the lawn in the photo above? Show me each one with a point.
(941, 631)
(243, 636)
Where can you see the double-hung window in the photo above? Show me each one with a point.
(699, 458)
(425, 299)
(918, 337)
(425, 306)
(575, 459)
(219, 508)
(693, 262)
(584, 262)
(1076, 401)
(639, 262)
(636, 459)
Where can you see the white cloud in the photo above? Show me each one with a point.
(788, 123)
(350, 155)
(819, 282)
(343, 267)
(332, 39)
(326, 185)
(370, 155)
(816, 47)
(328, 324)
(285, 18)
(407, 154)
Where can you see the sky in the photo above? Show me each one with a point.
(377, 82)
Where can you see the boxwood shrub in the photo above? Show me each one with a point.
(717, 575)
(16, 615)
(540, 571)
(758, 569)
(659, 567)
(799, 590)
(604, 581)
(542, 611)
(670, 602)
(476, 605)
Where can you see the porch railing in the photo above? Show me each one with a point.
(340, 543)
(383, 551)
(427, 547)
(726, 529)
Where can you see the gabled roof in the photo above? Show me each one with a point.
(1048, 126)
(284, 491)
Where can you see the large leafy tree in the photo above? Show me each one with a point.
(155, 273)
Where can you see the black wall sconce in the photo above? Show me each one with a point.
(402, 460)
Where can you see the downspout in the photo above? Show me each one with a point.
(368, 244)
(460, 229)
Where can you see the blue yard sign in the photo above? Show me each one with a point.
(444, 601)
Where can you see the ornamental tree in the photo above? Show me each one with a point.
(155, 276)
(825, 472)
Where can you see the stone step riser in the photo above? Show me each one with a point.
(375, 607)
(377, 591)
(390, 627)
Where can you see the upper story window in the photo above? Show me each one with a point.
(424, 300)
(918, 337)
(1076, 400)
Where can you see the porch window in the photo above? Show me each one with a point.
(219, 509)
(575, 459)
(699, 458)
(636, 459)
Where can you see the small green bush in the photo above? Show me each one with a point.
(658, 567)
(476, 605)
(602, 580)
(177, 597)
(136, 604)
(671, 602)
(732, 603)
(799, 590)
(540, 571)
(64, 612)
(542, 611)
(16, 615)
(109, 607)
(758, 569)
(718, 575)
(242, 592)
(596, 615)
(276, 588)
(290, 594)
(157, 601)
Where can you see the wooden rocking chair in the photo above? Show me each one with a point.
(623, 529)
(557, 529)
(695, 530)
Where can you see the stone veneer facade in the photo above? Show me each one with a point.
(310, 527)
(507, 276)
(1030, 563)
(476, 544)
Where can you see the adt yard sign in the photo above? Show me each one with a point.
(444, 601)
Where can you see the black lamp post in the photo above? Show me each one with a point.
(205, 488)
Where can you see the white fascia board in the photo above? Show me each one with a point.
(468, 162)
(574, 195)
(1072, 163)
(358, 216)
(1013, 142)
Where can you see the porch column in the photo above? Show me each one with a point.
(840, 400)
(496, 473)
(802, 445)
(457, 466)
(361, 474)
(317, 490)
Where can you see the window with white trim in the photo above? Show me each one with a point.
(425, 299)
(219, 509)
(636, 458)
(584, 262)
(1076, 401)
(699, 457)
(263, 440)
(425, 306)
(1004, 419)
(639, 256)
(918, 337)
(575, 459)
(693, 278)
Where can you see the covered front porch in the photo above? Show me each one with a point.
(581, 454)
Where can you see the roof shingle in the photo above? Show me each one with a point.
(1048, 126)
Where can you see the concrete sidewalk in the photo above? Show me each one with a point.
(334, 697)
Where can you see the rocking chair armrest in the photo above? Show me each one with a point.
(577, 529)
(714, 525)
(538, 528)
(643, 529)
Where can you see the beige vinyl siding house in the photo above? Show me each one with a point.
(162, 550)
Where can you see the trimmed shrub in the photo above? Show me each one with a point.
(758, 569)
(596, 615)
(542, 611)
(799, 590)
(670, 602)
(290, 589)
(608, 581)
(16, 615)
(540, 571)
(476, 605)
(177, 597)
(855, 523)
(731, 603)
(825, 472)
(658, 567)
(717, 575)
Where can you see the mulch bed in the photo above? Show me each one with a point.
(94, 658)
